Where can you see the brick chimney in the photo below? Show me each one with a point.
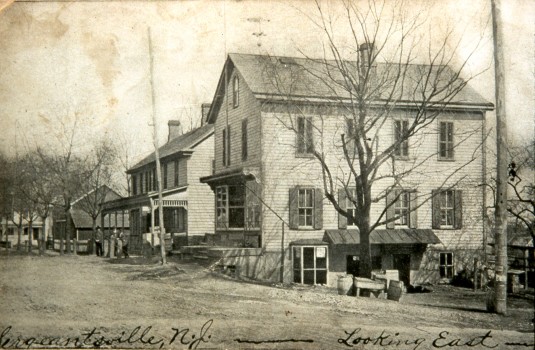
(366, 52)
(205, 108)
(175, 129)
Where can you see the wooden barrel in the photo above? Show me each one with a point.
(395, 290)
(345, 285)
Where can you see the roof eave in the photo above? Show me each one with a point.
(266, 97)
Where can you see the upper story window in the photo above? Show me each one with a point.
(305, 140)
(244, 139)
(176, 172)
(306, 208)
(350, 137)
(445, 142)
(400, 138)
(230, 206)
(164, 175)
(447, 209)
(235, 91)
(134, 185)
(226, 145)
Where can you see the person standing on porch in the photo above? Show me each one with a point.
(98, 241)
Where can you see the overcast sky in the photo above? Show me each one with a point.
(91, 59)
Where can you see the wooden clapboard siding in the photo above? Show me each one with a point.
(200, 196)
(248, 108)
(284, 170)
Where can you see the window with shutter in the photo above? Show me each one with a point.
(305, 142)
(306, 208)
(400, 132)
(445, 142)
(447, 209)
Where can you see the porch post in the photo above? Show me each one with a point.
(152, 221)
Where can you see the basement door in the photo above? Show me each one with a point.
(402, 263)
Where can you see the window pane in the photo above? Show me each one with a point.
(321, 277)
(321, 263)
(297, 257)
(236, 195)
(236, 217)
(297, 276)
(308, 257)
(308, 276)
(442, 259)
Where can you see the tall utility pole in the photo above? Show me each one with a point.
(157, 155)
(500, 214)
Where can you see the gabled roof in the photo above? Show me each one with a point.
(82, 220)
(303, 79)
(109, 194)
(182, 144)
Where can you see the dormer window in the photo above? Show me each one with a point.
(235, 91)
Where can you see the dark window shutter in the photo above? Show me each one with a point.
(458, 210)
(309, 136)
(228, 145)
(300, 135)
(390, 211)
(224, 137)
(294, 209)
(318, 209)
(342, 220)
(413, 220)
(244, 139)
(436, 208)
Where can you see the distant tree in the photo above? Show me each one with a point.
(521, 204)
(6, 193)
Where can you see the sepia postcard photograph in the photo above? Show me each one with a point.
(267, 174)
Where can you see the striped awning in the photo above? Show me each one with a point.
(175, 200)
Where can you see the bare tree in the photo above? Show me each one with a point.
(39, 191)
(99, 173)
(66, 172)
(380, 84)
(6, 195)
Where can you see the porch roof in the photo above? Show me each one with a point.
(383, 236)
(248, 173)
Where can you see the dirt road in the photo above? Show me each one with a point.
(85, 301)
